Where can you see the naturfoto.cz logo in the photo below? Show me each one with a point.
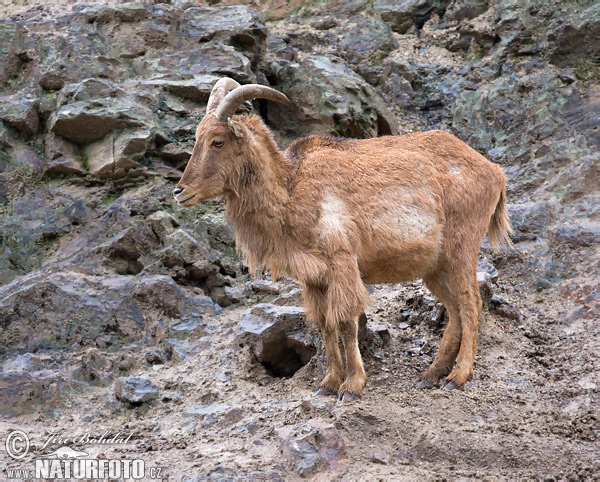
(66, 462)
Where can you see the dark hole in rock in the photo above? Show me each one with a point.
(383, 127)
(284, 355)
(243, 41)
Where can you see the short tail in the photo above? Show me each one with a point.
(499, 229)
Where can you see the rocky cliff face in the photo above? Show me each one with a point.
(102, 276)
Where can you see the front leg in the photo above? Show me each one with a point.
(335, 367)
(356, 377)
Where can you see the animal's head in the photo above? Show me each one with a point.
(221, 142)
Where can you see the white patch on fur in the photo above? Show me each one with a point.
(405, 218)
(412, 221)
(454, 170)
(333, 211)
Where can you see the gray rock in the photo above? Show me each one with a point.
(62, 157)
(401, 15)
(135, 390)
(238, 25)
(27, 157)
(20, 111)
(366, 41)
(308, 448)
(197, 88)
(86, 121)
(266, 287)
(276, 336)
(22, 393)
(330, 98)
(84, 310)
(502, 307)
(290, 298)
(114, 155)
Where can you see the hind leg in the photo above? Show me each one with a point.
(438, 284)
(464, 284)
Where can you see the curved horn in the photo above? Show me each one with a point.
(221, 88)
(237, 97)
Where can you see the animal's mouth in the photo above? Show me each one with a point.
(188, 201)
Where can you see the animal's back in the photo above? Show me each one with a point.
(389, 198)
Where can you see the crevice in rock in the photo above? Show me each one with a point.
(282, 357)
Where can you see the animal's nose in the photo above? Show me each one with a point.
(177, 191)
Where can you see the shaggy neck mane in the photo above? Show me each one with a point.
(258, 197)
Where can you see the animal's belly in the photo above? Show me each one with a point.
(404, 244)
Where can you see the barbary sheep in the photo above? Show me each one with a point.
(337, 214)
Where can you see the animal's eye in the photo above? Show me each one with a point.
(218, 143)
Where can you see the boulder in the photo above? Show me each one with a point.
(22, 392)
(135, 390)
(313, 447)
(330, 98)
(62, 156)
(366, 41)
(197, 88)
(402, 15)
(117, 153)
(20, 111)
(85, 310)
(277, 338)
(86, 121)
(237, 25)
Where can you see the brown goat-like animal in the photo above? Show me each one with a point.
(338, 213)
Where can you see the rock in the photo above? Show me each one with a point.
(20, 111)
(86, 121)
(126, 247)
(401, 15)
(237, 25)
(28, 158)
(500, 306)
(276, 336)
(97, 311)
(22, 392)
(486, 289)
(62, 157)
(329, 98)
(176, 153)
(396, 82)
(236, 294)
(485, 267)
(309, 448)
(135, 390)
(366, 41)
(197, 88)
(94, 367)
(576, 234)
(266, 287)
(162, 223)
(222, 413)
(382, 332)
(466, 9)
(113, 156)
(214, 59)
(380, 458)
(291, 298)
(155, 356)
(55, 78)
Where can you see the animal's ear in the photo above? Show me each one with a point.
(237, 128)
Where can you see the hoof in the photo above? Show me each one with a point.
(449, 385)
(347, 397)
(325, 392)
(423, 384)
